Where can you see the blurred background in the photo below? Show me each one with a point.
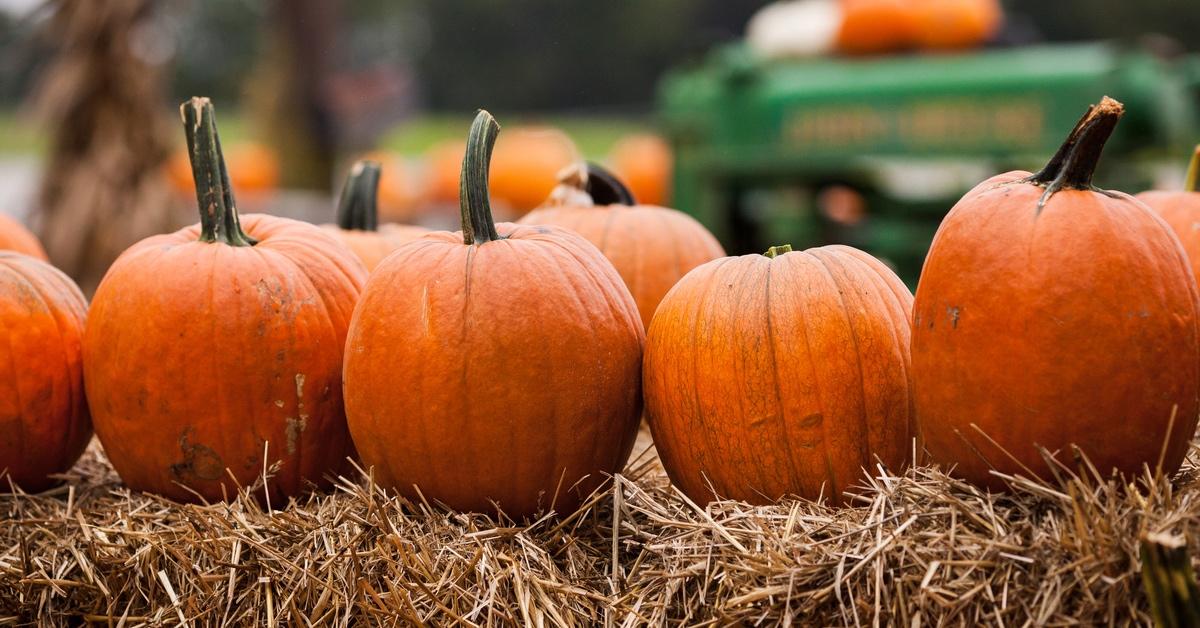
(857, 121)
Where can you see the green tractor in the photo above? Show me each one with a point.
(873, 152)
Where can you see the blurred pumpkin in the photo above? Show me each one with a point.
(253, 169)
(781, 374)
(955, 24)
(876, 26)
(1053, 319)
(1181, 210)
(15, 237)
(495, 367)
(357, 218)
(443, 162)
(44, 424)
(526, 163)
(644, 163)
(400, 191)
(651, 247)
(215, 350)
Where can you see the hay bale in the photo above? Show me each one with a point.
(919, 548)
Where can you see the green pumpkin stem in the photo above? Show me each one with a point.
(605, 188)
(218, 212)
(776, 251)
(478, 226)
(1192, 183)
(1072, 167)
(358, 208)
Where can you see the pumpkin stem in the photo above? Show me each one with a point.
(1192, 183)
(478, 226)
(605, 188)
(776, 251)
(218, 213)
(1072, 167)
(357, 208)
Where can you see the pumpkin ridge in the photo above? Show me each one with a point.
(53, 313)
(608, 286)
(902, 348)
(786, 438)
(12, 360)
(731, 329)
(696, 340)
(826, 262)
(834, 494)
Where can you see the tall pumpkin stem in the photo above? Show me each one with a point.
(1073, 165)
(218, 212)
(358, 208)
(1192, 183)
(478, 226)
(605, 188)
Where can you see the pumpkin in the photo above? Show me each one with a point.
(215, 352)
(498, 367)
(644, 163)
(253, 171)
(44, 424)
(876, 26)
(443, 162)
(780, 374)
(357, 218)
(955, 24)
(1181, 210)
(1054, 316)
(526, 164)
(15, 237)
(399, 193)
(651, 247)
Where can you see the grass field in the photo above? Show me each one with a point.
(19, 134)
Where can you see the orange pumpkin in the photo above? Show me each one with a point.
(15, 237)
(526, 164)
(1181, 210)
(651, 247)
(780, 374)
(955, 24)
(1053, 315)
(44, 424)
(399, 194)
(253, 171)
(216, 350)
(644, 163)
(518, 351)
(444, 163)
(357, 218)
(876, 26)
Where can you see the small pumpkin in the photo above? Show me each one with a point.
(443, 163)
(215, 350)
(518, 353)
(1053, 315)
(644, 162)
(44, 424)
(651, 247)
(357, 218)
(1181, 210)
(955, 24)
(15, 237)
(254, 170)
(400, 192)
(781, 374)
(526, 164)
(876, 26)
